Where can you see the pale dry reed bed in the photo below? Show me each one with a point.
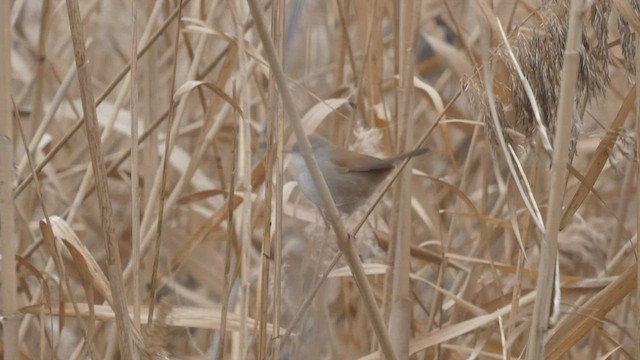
(451, 250)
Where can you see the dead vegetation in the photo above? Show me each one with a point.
(220, 255)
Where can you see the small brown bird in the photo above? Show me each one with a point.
(350, 176)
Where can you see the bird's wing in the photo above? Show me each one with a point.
(350, 162)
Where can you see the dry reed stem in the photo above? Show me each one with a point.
(637, 307)
(8, 239)
(49, 115)
(40, 78)
(547, 294)
(275, 137)
(244, 174)
(231, 239)
(270, 245)
(160, 179)
(180, 316)
(114, 265)
(135, 165)
(400, 301)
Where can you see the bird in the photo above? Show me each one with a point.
(350, 176)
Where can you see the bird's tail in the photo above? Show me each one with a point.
(409, 154)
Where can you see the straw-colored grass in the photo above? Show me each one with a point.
(155, 213)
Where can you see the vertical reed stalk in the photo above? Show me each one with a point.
(244, 177)
(135, 177)
(114, 266)
(37, 110)
(401, 302)
(637, 63)
(276, 136)
(8, 239)
(547, 266)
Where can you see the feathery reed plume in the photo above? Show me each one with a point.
(538, 47)
(627, 38)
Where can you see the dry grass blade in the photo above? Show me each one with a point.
(626, 11)
(453, 331)
(160, 179)
(46, 292)
(192, 84)
(573, 327)
(188, 317)
(600, 156)
(87, 265)
(319, 112)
